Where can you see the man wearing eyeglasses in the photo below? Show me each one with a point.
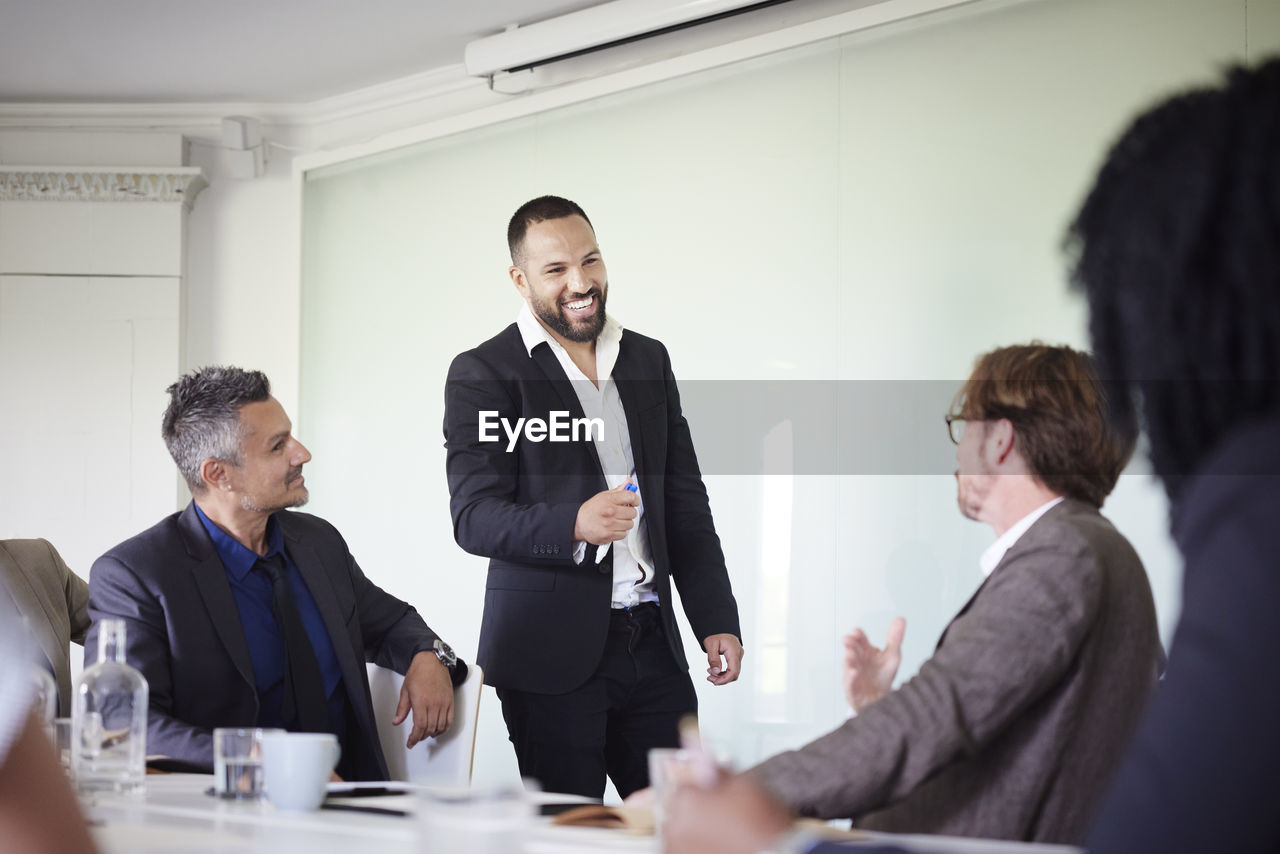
(1012, 729)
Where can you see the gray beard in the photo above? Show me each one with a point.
(247, 503)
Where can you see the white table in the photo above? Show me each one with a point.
(175, 816)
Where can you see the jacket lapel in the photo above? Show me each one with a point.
(311, 566)
(210, 578)
(942, 637)
(625, 371)
(1028, 536)
(555, 375)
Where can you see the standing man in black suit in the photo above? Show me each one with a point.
(241, 614)
(572, 468)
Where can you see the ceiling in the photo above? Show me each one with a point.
(237, 51)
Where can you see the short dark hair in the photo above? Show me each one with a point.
(1177, 247)
(1060, 416)
(202, 419)
(535, 211)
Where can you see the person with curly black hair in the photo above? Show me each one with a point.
(1177, 247)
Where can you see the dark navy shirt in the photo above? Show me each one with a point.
(252, 592)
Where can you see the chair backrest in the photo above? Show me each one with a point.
(444, 760)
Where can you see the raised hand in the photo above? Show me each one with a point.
(869, 670)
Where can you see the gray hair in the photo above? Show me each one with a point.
(202, 420)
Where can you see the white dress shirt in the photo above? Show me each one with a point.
(995, 552)
(632, 563)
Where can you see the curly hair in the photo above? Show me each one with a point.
(1177, 248)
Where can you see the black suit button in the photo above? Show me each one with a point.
(555, 549)
(537, 549)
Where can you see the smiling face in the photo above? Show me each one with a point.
(269, 477)
(561, 275)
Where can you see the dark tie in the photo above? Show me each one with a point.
(305, 707)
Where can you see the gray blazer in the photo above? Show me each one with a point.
(183, 630)
(53, 598)
(1012, 729)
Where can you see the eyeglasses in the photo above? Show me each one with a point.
(955, 427)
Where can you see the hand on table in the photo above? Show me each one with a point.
(428, 692)
(868, 670)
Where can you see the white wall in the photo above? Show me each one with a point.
(90, 290)
(242, 281)
(870, 213)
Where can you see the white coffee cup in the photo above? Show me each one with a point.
(297, 767)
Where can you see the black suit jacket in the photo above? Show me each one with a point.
(1200, 774)
(183, 630)
(546, 618)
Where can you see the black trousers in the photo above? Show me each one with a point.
(633, 702)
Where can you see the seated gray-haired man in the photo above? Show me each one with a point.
(240, 613)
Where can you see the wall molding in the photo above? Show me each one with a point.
(506, 106)
(100, 184)
(424, 105)
(335, 120)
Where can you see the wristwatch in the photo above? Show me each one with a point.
(445, 653)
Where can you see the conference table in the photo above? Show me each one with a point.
(176, 816)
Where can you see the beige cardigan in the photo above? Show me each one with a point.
(53, 598)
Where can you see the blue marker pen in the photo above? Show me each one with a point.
(631, 487)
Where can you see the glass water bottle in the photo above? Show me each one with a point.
(109, 719)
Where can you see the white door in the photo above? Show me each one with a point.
(84, 362)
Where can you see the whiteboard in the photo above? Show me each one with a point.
(858, 219)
